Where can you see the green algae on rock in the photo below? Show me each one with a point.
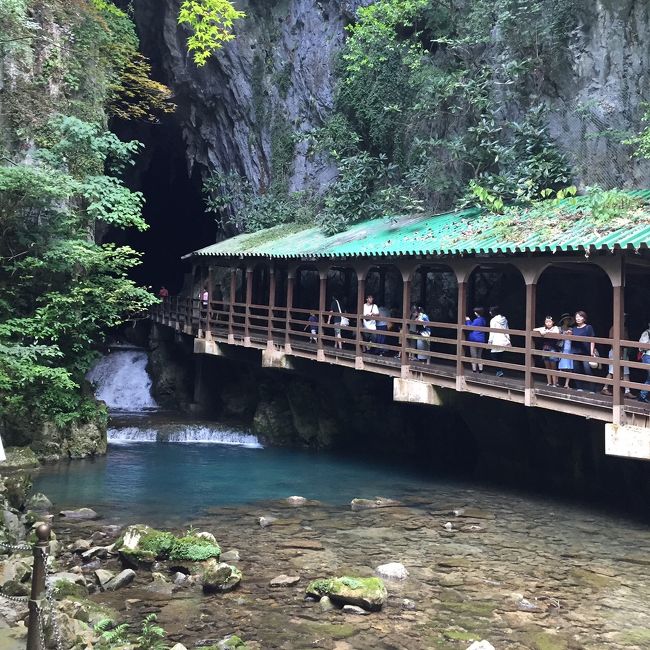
(143, 545)
(369, 593)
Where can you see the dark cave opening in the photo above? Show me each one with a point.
(174, 210)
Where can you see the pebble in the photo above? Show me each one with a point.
(408, 604)
(80, 545)
(230, 556)
(284, 581)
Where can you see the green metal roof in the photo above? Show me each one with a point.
(451, 234)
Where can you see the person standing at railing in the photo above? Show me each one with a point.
(424, 331)
(499, 341)
(644, 355)
(337, 320)
(585, 348)
(163, 293)
(477, 337)
(565, 364)
(550, 345)
(312, 326)
(370, 310)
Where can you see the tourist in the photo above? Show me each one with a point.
(425, 332)
(644, 357)
(312, 326)
(163, 293)
(205, 296)
(566, 364)
(584, 348)
(624, 356)
(550, 345)
(369, 310)
(336, 319)
(382, 328)
(477, 337)
(498, 340)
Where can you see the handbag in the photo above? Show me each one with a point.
(344, 320)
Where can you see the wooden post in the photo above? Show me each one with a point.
(361, 298)
(406, 312)
(322, 295)
(247, 310)
(460, 321)
(423, 288)
(382, 286)
(618, 328)
(529, 360)
(269, 335)
(233, 297)
(287, 331)
(208, 326)
(37, 596)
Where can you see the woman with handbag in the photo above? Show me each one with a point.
(338, 321)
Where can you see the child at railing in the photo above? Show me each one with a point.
(550, 345)
(566, 364)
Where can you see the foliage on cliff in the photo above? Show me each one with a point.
(423, 89)
(211, 22)
(66, 67)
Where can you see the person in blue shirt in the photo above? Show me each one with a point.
(312, 326)
(477, 337)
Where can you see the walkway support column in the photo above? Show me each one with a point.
(463, 269)
(208, 325)
(272, 279)
(247, 309)
(529, 360)
(406, 311)
(322, 296)
(233, 296)
(291, 277)
(618, 328)
(361, 299)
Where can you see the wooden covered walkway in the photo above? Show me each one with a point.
(277, 294)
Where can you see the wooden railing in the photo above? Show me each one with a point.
(402, 350)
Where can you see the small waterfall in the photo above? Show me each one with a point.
(178, 433)
(122, 381)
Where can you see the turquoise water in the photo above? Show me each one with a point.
(167, 482)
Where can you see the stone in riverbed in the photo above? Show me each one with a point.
(38, 501)
(230, 556)
(353, 609)
(103, 577)
(481, 645)
(301, 544)
(326, 604)
(369, 504)
(369, 593)
(122, 579)
(267, 521)
(296, 501)
(473, 513)
(219, 576)
(178, 646)
(81, 514)
(284, 581)
(392, 571)
(20, 458)
(80, 546)
(231, 641)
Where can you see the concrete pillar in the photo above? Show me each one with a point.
(406, 310)
(460, 322)
(529, 360)
(618, 327)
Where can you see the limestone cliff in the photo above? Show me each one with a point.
(246, 110)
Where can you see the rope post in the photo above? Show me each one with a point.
(38, 587)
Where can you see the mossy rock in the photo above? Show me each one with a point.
(141, 546)
(219, 576)
(20, 458)
(65, 589)
(369, 593)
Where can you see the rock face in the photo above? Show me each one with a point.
(368, 593)
(272, 83)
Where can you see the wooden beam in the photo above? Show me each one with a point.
(460, 321)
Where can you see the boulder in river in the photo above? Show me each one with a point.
(284, 581)
(38, 501)
(81, 514)
(369, 593)
(20, 458)
(296, 501)
(219, 576)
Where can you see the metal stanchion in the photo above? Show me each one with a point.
(38, 588)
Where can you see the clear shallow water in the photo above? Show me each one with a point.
(165, 482)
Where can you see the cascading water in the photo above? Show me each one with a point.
(122, 381)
